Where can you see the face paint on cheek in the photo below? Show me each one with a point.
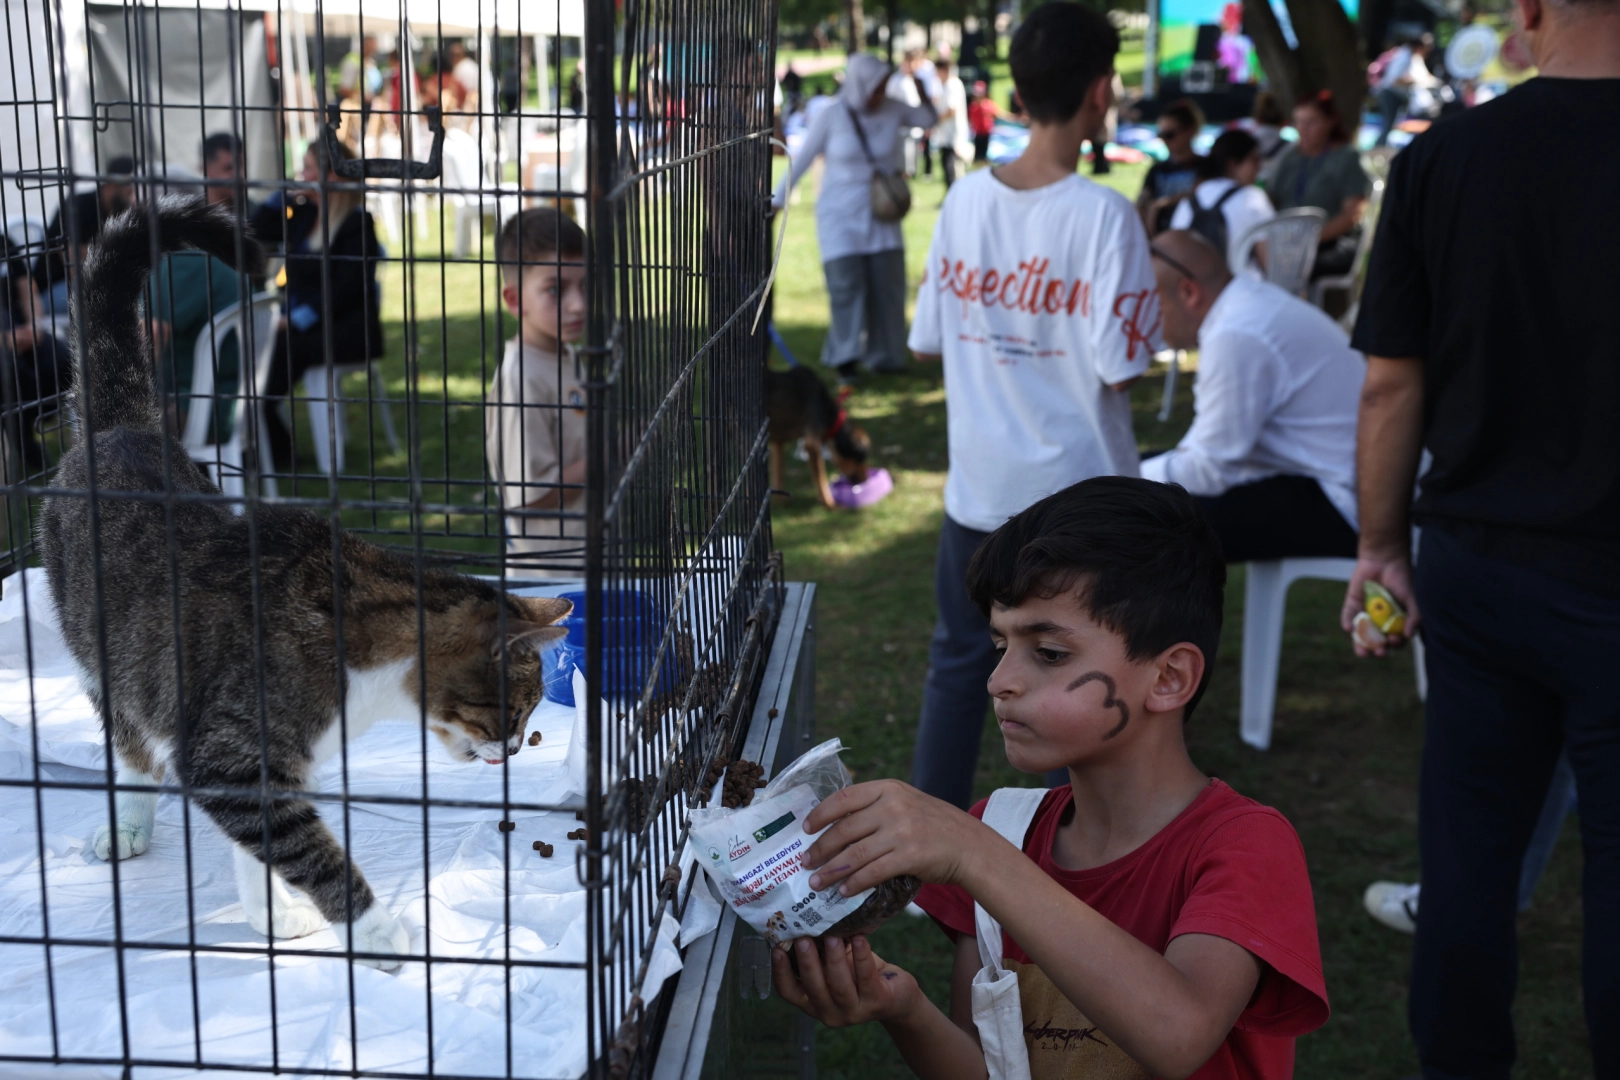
(1109, 702)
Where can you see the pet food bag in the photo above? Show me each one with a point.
(754, 855)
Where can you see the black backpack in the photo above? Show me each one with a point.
(1210, 222)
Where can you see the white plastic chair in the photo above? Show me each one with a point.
(1350, 280)
(1290, 238)
(322, 382)
(388, 206)
(1265, 595)
(469, 193)
(1173, 358)
(224, 461)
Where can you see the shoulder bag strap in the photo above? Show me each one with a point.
(860, 133)
(1009, 812)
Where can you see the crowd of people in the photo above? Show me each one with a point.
(1073, 579)
(327, 246)
(1080, 586)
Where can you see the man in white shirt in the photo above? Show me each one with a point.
(1039, 296)
(952, 135)
(1394, 89)
(1271, 450)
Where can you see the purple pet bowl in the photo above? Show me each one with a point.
(854, 496)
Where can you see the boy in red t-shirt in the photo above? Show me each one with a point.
(981, 115)
(1159, 923)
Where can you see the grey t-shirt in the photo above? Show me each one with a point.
(1325, 180)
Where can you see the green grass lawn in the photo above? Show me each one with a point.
(1343, 766)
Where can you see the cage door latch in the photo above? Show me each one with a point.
(385, 168)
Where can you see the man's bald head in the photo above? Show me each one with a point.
(1191, 274)
(1196, 254)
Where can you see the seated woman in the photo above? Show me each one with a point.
(187, 291)
(1226, 185)
(1324, 171)
(331, 296)
(1167, 181)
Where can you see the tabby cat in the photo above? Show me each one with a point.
(211, 653)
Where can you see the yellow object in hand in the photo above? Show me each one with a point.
(1383, 610)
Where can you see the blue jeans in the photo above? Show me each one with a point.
(1516, 664)
(960, 660)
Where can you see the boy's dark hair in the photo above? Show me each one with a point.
(536, 236)
(221, 142)
(1138, 555)
(1058, 53)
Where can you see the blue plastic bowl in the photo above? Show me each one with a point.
(630, 631)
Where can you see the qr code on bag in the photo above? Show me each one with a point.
(810, 918)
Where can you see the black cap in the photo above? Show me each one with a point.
(121, 166)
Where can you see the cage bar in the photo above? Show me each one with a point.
(353, 382)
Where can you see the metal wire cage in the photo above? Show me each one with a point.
(360, 381)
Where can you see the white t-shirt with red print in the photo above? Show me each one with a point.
(1038, 301)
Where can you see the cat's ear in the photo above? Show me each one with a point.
(532, 634)
(544, 610)
(535, 628)
(521, 632)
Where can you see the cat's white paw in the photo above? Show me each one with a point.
(133, 838)
(379, 932)
(296, 916)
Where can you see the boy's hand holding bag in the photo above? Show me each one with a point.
(867, 829)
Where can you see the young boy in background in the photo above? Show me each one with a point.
(1040, 297)
(534, 435)
(1159, 923)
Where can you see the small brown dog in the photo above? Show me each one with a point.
(800, 406)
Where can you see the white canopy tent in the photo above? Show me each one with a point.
(439, 18)
(36, 134)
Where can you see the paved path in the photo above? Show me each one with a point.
(814, 65)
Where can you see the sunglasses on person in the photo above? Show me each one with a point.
(1172, 263)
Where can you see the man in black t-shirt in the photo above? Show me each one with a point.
(1493, 341)
(86, 210)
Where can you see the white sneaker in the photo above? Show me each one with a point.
(1393, 903)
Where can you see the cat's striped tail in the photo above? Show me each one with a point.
(111, 345)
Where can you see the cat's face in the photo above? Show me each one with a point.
(464, 705)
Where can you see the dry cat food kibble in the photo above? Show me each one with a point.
(507, 826)
(743, 778)
(888, 899)
(534, 740)
(580, 834)
(543, 848)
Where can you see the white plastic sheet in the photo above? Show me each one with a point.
(484, 895)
